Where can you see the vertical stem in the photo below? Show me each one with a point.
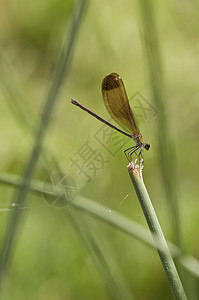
(157, 234)
(166, 151)
(62, 68)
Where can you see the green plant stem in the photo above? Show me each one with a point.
(154, 60)
(157, 234)
(61, 70)
(103, 213)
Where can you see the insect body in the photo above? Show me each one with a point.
(117, 104)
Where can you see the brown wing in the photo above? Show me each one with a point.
(117, 104)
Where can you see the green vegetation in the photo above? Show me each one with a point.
(99, 246)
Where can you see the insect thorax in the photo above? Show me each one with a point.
(138, 139)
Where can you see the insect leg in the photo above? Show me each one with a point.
(140, 156)
(127, 152)
(134, 150)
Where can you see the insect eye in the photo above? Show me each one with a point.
(147, 146)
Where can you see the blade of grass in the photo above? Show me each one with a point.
(61, 69)
(113, 218)
(166, 151)
(14, 96)
(157, 234)
(95, 242)
(102, 255)
(20, 107)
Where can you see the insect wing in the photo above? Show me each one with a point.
(117, 104)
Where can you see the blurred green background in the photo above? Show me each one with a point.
(54, 257)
